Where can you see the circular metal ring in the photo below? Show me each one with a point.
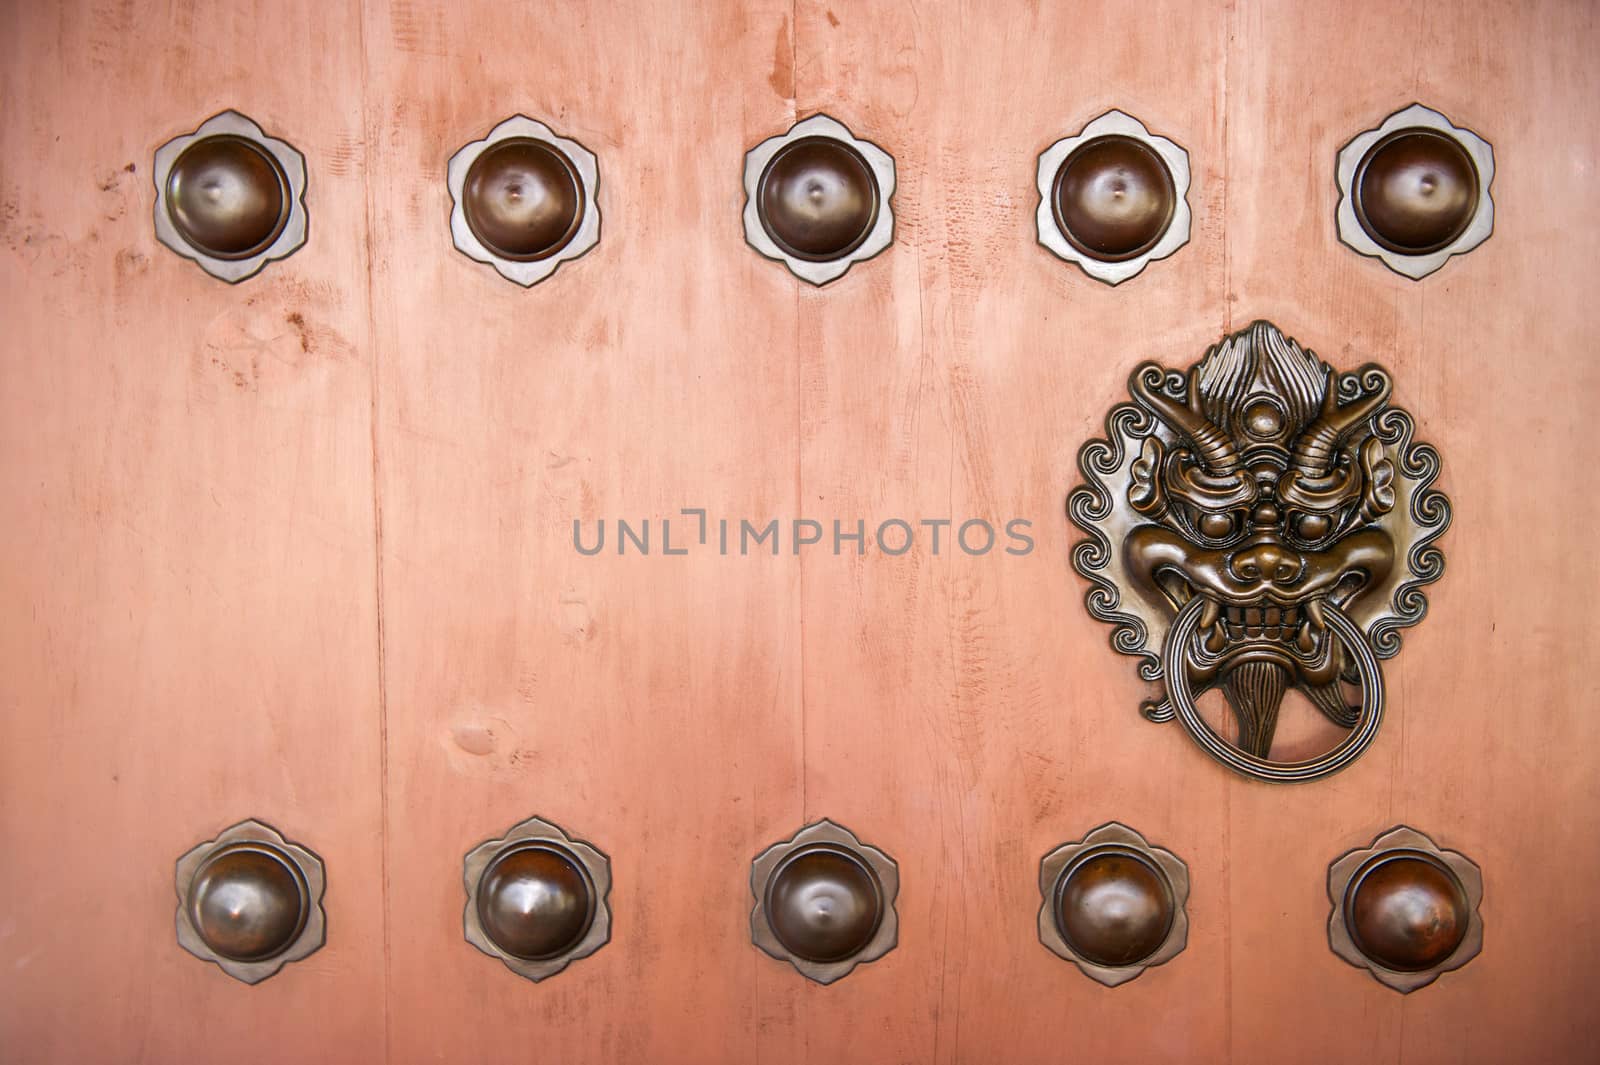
(537, 899)
(1348, 749)
(524, 200)
(251, 901)
(230, 197)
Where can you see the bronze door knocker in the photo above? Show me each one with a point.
(1260, 523)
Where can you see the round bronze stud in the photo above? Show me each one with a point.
(1114, 198)
(1114, 907)
(1113, 904)
(1404, 909)
(535, 902)
(1416, 191)
(251, 901)
(248, 901)
(228, 197)
(537, 899)
(824, 901)
(818, 199)
(824, 904)
(523, 199)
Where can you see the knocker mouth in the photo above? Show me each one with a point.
(1254, 671)
(1261, 601)
(1260, 620)
(1292, 633)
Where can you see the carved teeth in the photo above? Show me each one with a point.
(1214, 638)
(1301, 623)
(1178, 590)
(1306, 641)
(1312, 629)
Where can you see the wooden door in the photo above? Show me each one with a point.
(301, 548)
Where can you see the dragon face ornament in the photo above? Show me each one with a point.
(1258, 524)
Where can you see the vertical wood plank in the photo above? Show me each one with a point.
(188, 560)
(1489, 743)
(646, 703)
(962, 711)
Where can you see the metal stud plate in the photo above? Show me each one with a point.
(1414, 191)
(1405, 909)
(824, 902)
(250, 901)
(817, 199)
(524, 200)
(537, 899)
(230, 197)
(1113, 904)
(1113, 198)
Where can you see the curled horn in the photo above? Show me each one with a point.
(1214, 446)
(1314, 451)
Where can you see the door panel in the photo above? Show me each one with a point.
(1487, 742)
(302, 548)
(647, 704)
(191, 636)
(968, 707)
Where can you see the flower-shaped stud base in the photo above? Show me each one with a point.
(537, 899)
(1405, 910)
(1113, 198)
(824, 902)
(230, 197)
(817, 199)
(524, 200)
(1113, 904)
(1415, 191)
(250, 901)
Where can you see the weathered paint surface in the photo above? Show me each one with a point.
(301, 549)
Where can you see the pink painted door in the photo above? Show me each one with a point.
(300, 548)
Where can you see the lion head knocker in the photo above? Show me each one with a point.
(1260, 524)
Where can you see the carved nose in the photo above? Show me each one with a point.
(1271, 562)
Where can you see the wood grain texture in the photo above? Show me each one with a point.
(647, 704)
(228, 499)
(964, 712)
(188, 575)
(1490, 745)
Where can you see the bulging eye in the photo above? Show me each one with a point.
(1216, 526)
(1312, 527)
